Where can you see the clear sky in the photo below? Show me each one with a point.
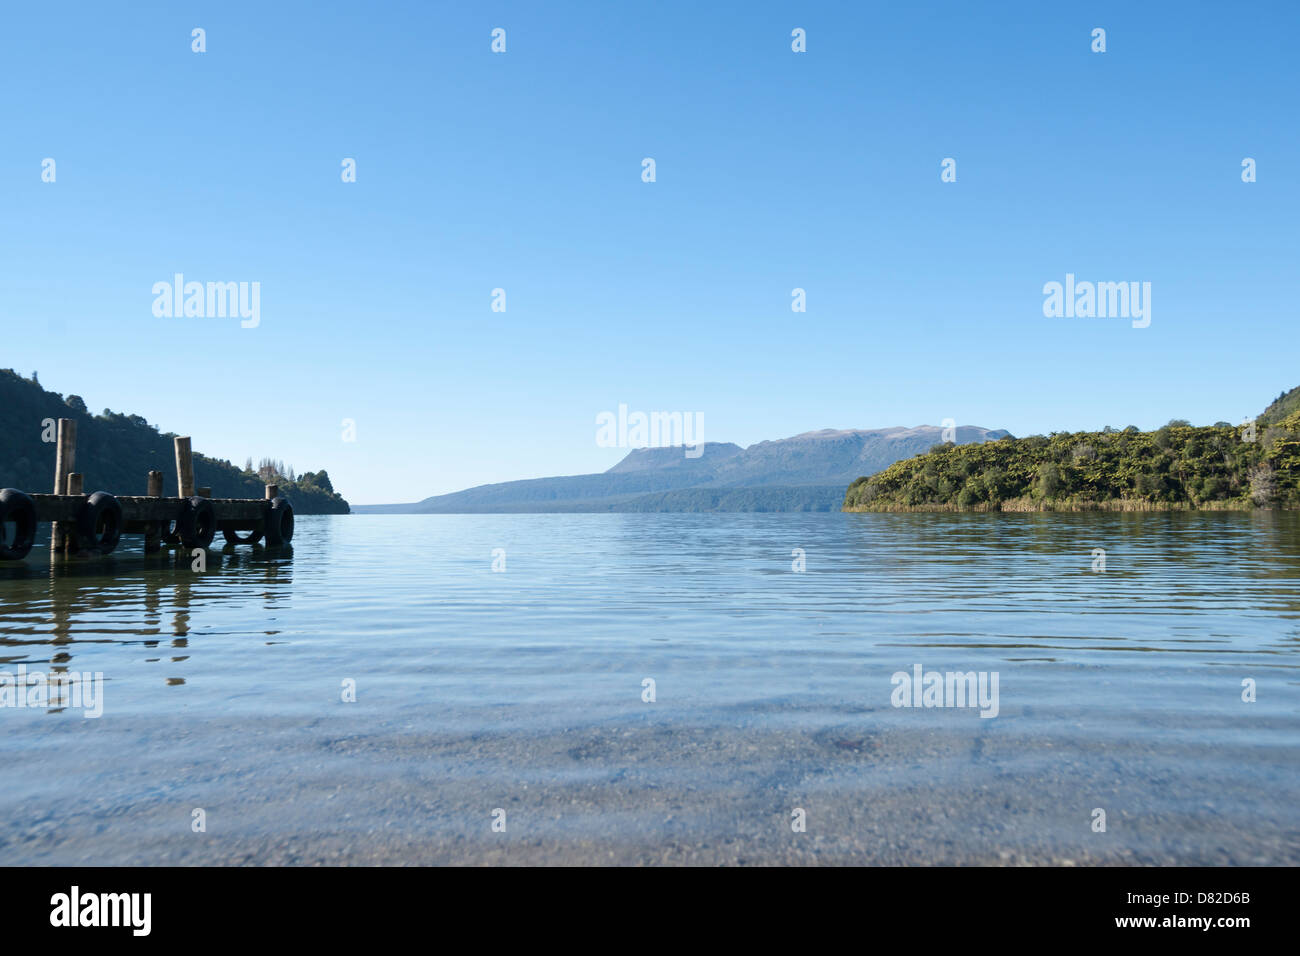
(522, 171)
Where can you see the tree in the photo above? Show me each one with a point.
(994, 483)
(77, 404)
(319, 479)
(1263, 484)
(1178, 465)
(1049, 480)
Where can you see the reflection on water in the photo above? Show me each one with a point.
(414, 600)
(49, 612)
(1122, 687)
(716, 593)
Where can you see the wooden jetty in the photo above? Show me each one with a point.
(95, 523)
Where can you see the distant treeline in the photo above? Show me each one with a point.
(116, 452)
(1218, 466)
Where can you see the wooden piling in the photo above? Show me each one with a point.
(153, 530)
(184, 468)
(272, 492)
(76, 485)
(65, 460)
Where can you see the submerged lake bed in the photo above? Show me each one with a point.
(670, 688)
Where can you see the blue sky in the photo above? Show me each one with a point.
(522, 171)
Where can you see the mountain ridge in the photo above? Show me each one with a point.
(805, 472)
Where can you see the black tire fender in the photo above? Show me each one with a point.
(234, 537)
(19, 508)
(197, 523)
(99, 523)
(279, 522)
(167, 532)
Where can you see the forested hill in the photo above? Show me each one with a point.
(116, 452)
(1177, 466)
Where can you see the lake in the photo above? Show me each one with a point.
(668, 688)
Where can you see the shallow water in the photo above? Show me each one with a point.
(522, 690)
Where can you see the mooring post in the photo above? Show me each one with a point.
(272, 492)
(76, 486)
(65, 459)
(184, 468)
(153, 532)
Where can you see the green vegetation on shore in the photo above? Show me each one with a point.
(115, 453)
(1175, 467)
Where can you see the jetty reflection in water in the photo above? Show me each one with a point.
(50, 612)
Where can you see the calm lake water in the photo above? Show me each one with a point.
(518, 694)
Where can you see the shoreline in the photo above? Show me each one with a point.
(1026, 505)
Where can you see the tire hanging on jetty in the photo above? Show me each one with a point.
(279, 522)
(197, 523)
(234, 537)
(167, 533)
(99, 523)
(18, 508)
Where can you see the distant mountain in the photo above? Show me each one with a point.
(116, 452)
(674, 458)
(807, 472)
